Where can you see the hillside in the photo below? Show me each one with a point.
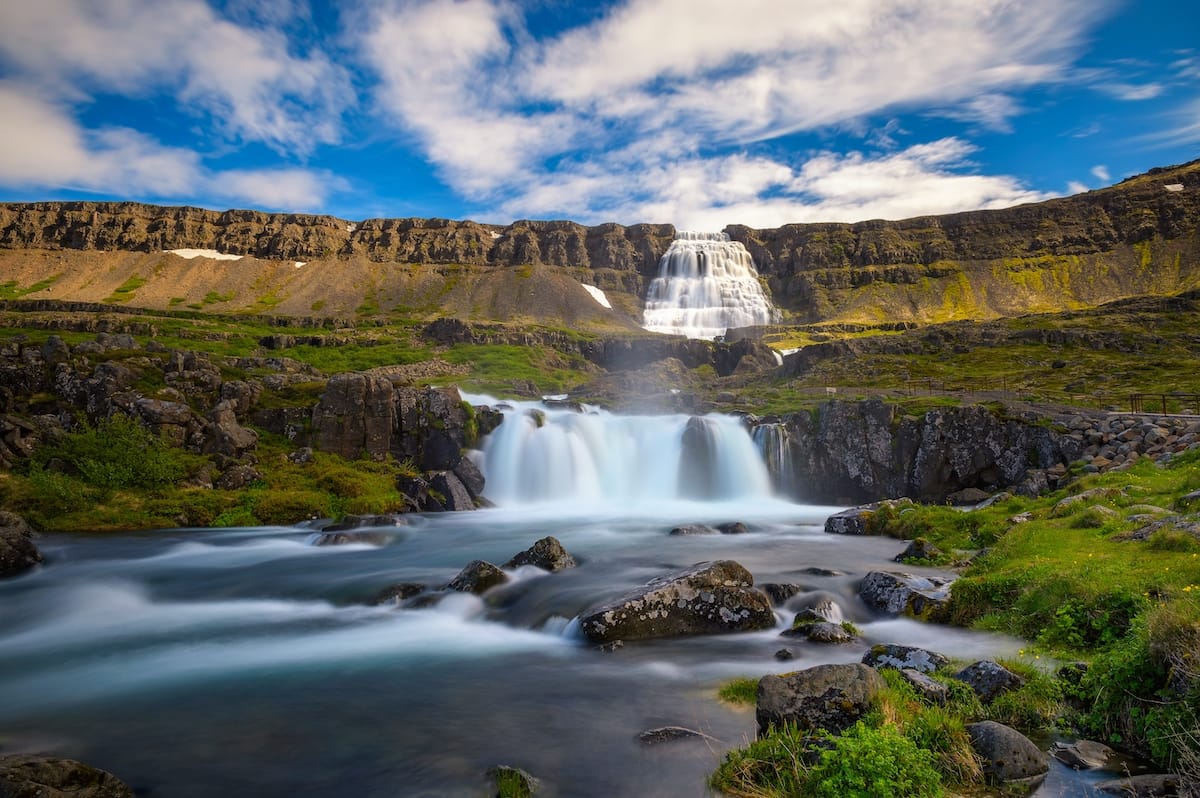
(1139, 237)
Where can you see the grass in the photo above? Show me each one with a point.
(739, 691)
(125, 291)
(12, 289)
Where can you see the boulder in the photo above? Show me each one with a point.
(454, 495)
(968, 496)
(692, 529)
(989, 679)
(17, 550)
(708, 598)
(929, 689)
(237, 477)
(820, 632)
(893, 655)
(225, 435)
(925, 597)
(547, 554)
(830, 697)
(470, 476)
(850, 522)
(1082, 754)
(732, 528)
(477, 577)
(1008, 757)
(919, 549)
(398, 594)
(33, 776)
(1150, 785)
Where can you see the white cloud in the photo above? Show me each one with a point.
(1133, 91)
(1075, 187)
(41, 145)
(624, 114)
(245, 79)
(1100, 172)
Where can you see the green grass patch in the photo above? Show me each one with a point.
(13, 290)
(739, 691)
(125, 291)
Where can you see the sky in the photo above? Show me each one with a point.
(698, 113)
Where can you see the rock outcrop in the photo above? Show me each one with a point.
(707, 598)
(33, 776)
(17, 550)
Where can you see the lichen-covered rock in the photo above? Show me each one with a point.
(33, 776)
(932, 691)
(1008, 756)
(708, 598)
(894, 655)
(830, 697)
(547, 554)
(478, 577)
(989, 679)
(17, 550)
(924, 597)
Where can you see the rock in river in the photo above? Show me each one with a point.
(830, 697)
(708, 598)
(547, 554)
(917, 596)
(27, 776)
(17, 552)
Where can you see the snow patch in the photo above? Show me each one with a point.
(350, 228)
(1174, 187)
(496, 235)
(597, 295)
(211, 254)
(298, 263)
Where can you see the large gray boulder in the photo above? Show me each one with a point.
(989, 679)
(830, 697)
(33, 776)
(17, 550)
(708, 598)
(924, 597)
(1008, 756)
(894, 655)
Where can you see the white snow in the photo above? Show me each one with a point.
(299, 263)
(1174, 187)
(597, 295)
(496, 235)
(211, 254)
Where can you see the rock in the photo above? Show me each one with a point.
(470, 476)
(352, 522)
(989, 679)
(919, 549)
(301, 456)
(778, 592)
(17, 550)
(666, 734)
(830, 697)
(850, 522)
(893, 655)
(513, 782)
(917, 596)
(477, 577)
(968, 496)
(732, 528)
(821, 632)
(1082, 754)
(932, 691)
(708, 598)
(784, 654)
(354, 416)
(454, 495)
(547, 554)
(33, 776)
(1069, 504)
(238, 477)
(347, 538)
(1008, 756)
(1150, 785)
(398, 594)
(225, 435)
(692, 529)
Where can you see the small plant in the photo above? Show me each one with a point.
(739, 691)
(868, 762)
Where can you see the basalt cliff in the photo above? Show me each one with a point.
(1137, 237)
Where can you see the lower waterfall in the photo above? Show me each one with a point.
(594, 458)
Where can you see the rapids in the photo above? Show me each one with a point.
(194, 662)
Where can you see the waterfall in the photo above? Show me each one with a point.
(775, 445)
(595, 458)
(706, 284)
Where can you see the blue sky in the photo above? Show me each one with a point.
(700, 113)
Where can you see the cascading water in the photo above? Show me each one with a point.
(706, 284)
(596, 458)
(775, 445)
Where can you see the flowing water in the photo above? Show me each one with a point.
(250, 662)
(706, 284)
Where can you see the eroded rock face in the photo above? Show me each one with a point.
(33, 776)
(17, 550)
(830, 697)
(1009, 757)
(707, 598)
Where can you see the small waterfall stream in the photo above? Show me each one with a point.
(706, 285)
(775, 445)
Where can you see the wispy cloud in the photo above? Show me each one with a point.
(1100, 172)
(42, 145)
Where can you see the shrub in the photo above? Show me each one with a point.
(870, 762)
(774, 765)
(117, 453)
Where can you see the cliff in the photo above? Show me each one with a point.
(1138, 237)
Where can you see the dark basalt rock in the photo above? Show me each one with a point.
(1009, 757)
(708, 598)
(477, 577)
(17, 550)
(830, 697)
(547, 554)
(33, 776)
(778, 592)
(989, 679)
(732, 528)
(454, 496)
(398, 594)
